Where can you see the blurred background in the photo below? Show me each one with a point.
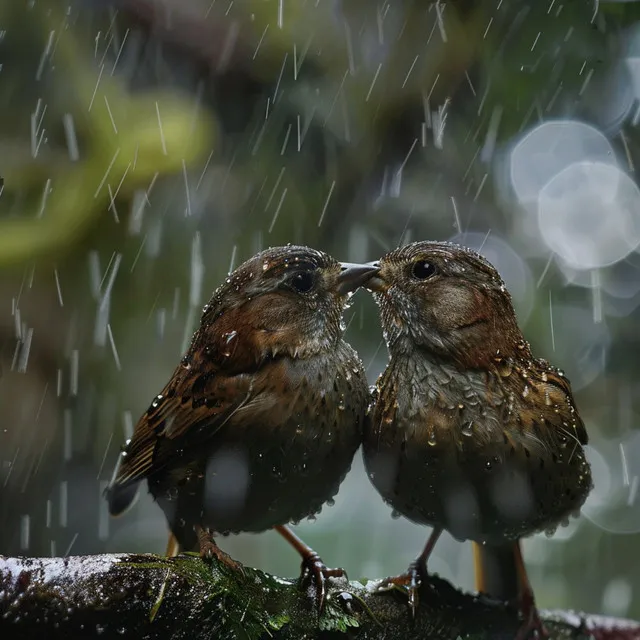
(147, 147)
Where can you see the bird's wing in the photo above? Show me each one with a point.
(193, 402)
(560, 394)
(547, 401)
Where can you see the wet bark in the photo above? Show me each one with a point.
(147, 596)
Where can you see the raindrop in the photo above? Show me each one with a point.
(467, 429)
(64, 500)
(25, 532)
(633, 491)
(103, 515)
(127, 424)
(431, 440)
(67, 435)
(73, 375)
(229, 343)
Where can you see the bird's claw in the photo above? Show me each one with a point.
(315, 572)
(410, 582)
(531, 624)
(209, 550)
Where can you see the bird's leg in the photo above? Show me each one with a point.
(313, 568)
(496, 572)
(209, 549)
(173, 547)
(478, 569)
(531, 622)
(417, 572)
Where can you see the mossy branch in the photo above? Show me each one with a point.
(147, 596)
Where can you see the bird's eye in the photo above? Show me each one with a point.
(422, 270)
(302, 282)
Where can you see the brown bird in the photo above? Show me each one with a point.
(259, 423)
(469, 432)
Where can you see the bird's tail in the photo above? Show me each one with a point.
(121, 496)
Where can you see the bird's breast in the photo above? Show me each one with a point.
(453, 451)
(281, 462)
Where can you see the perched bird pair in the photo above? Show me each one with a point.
(259, 423)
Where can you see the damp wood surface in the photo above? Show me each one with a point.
(149, 596)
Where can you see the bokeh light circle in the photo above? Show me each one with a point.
(551, 147)
(614, 503)
(589, 215)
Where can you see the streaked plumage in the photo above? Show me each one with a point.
(260, 421)
(469, 432)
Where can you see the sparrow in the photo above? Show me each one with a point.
(469, 432)
(259, 423)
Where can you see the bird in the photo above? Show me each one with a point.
(260, 421)
(469, 432)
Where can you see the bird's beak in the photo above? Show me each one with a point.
(354, 275)
(376, 282)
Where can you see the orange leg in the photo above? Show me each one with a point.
(173, 548)
(312, 566)
(478, 569)
(500, 572)
(531, 622)
(415, 574)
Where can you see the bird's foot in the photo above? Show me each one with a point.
(532, 626)
(209, 549)
(410, 582)
(315, 574)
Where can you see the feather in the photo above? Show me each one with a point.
(208, 404)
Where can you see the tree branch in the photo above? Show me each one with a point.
(147, 596)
